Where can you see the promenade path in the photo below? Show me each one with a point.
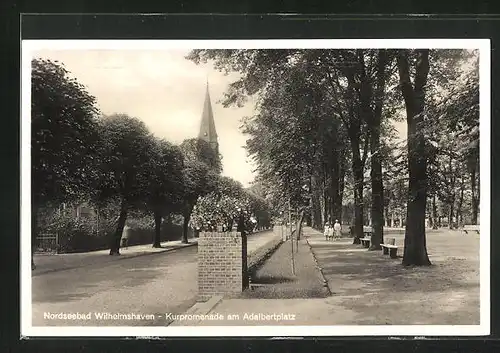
(368, 288)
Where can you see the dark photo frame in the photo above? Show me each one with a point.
(291, 27)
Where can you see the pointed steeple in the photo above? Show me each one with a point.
(207, 127)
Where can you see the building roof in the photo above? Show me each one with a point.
(207, 126)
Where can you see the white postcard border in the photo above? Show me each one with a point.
(27, 330)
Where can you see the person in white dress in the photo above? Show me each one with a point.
(337, 229)
(325, 231)
(330, 232)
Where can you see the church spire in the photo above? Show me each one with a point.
(207, 127)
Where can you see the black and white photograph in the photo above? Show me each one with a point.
(255, 187)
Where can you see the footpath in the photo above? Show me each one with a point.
(365, 288)
(257, 242)
(282, 296)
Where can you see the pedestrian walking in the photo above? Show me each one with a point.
(330, 231)
(337, 230)
(125, 236)
(325, 231)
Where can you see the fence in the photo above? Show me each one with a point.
(47, 243)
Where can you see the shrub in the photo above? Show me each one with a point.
(89, 234)
(74, 234)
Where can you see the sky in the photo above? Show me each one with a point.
(166, 91)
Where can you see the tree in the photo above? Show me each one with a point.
(126, 146)
(284, 138)
(459, 115)
(165, 184)
(63, 140)
(198, 181)
(350, 98)
(219, 207)
(372, 95)
(448, 175)
(413, 91)
(295, 89)
(260, 207)
(202, 167)
(195, 149)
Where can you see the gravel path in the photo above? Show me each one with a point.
(372, 289)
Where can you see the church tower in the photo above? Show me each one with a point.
(207, 127)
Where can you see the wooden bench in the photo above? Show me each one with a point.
(470, 228)
(367, 232)
(390, 247)
(366, 241)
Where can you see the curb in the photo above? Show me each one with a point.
(201, 308)
(111, 260)
(326, 284)
(159, 251)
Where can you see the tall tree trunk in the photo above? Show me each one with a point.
(434, 213)
(114, 248)
(327, 196)
(429, 212)
(452, 196)
(185, 226)
(451, 212)
(338, 205)
(374, 118)
(460, 203)
(377, 209)
(387, 216)
(357, 168)
(415, 250)
(315, 202)
(157, 239)
(323, 196)
(326, 210)
(474, 201)
(334, 189)
(299, 224)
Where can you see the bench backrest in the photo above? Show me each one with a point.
(390, 241)
(367, 229)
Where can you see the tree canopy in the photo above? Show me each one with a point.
(323, 127)
(64, 119)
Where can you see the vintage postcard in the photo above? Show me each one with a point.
(269, 188)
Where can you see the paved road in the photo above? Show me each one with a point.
(153, 284)
(144, 285)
